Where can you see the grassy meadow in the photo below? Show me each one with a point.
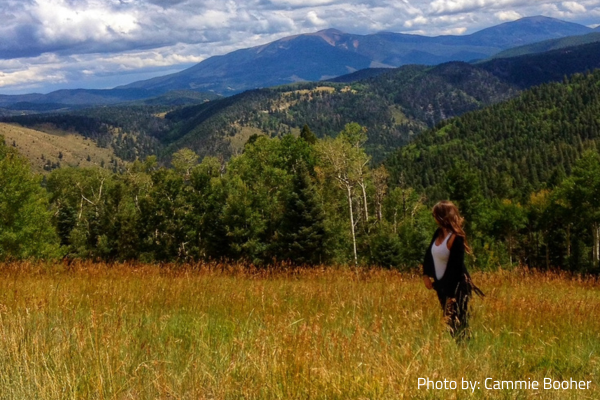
(45, 144)
(95, 331)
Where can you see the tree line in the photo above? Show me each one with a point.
(298, 199)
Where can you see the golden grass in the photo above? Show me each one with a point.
(238, 141)
(75, 148)
(399, 116)
(222, 332)
(326, 89)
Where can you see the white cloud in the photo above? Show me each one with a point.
(574, 7)
(508, 15)
(455, 31)
(418, 21)
(314, 19)
(302, 3)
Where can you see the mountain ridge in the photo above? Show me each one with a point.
(83, 97)
(330, 53)
(549, 45)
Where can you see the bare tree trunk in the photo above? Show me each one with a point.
(364, 192)
(596, 246)
(380, 181)
(568, 241)
(349, 189)
(510, 257)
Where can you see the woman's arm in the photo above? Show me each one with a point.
(456, 261)
(427, 282)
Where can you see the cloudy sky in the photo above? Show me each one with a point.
(51, 44)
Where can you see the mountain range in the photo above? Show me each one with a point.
(330, 53)
(74, 98)
(311, 57)
(394, 104)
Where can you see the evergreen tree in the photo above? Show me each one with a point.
(308, 135)
(462, 186)
(302, 233)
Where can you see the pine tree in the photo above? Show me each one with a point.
(308, 135)
(302, 231)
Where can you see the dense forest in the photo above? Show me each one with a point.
(304, 200)
(394, 107)
(517, 147)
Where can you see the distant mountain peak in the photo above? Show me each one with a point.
(536, 20)
(531, 29)
(330, 31)
(539, 18)
(331, 36)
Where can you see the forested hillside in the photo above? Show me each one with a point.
(394, 107)
(534, 69)
(525, 173)
(516, 147)
(72, 99)
(507, 166)
(132, 132)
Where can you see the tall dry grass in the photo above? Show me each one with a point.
(222, 332)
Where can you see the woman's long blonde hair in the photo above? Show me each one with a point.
(448, 217)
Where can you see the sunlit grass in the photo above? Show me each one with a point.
(222, 332)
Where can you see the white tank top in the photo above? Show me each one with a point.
(440, 254)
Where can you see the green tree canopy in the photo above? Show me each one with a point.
(25, 227)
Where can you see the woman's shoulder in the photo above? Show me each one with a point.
(457, 240)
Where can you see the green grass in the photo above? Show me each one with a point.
(221, 332)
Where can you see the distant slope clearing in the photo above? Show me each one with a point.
(47, 151)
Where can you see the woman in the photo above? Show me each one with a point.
(445, 265)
